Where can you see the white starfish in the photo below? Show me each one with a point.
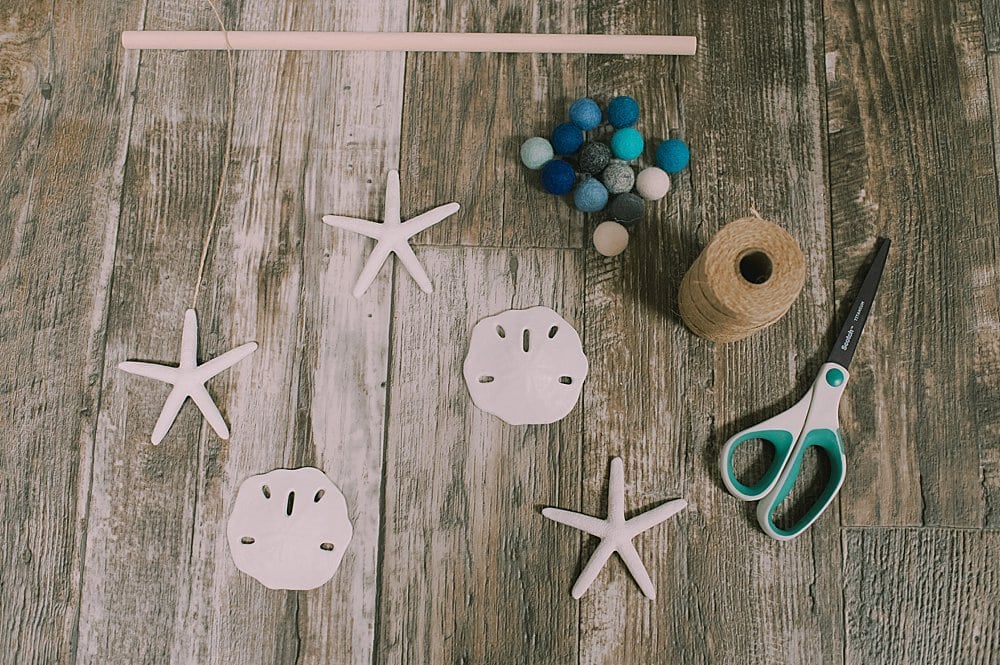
(393, 236)
(616, 532)
(189, 379)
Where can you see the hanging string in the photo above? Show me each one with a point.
(226, 154)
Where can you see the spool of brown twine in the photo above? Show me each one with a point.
(743, 281)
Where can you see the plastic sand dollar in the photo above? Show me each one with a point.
(525, 366)
(289, 528)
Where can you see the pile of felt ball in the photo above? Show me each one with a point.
(599, 173)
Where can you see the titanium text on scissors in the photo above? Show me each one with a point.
(812, 422)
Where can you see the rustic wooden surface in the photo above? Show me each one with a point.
(843, 120)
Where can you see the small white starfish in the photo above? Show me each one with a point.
(189, 379)
(616, 532)
(393, 236)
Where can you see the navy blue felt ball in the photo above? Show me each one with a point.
(566, 138)
(558, 177)
(585, 114)
(623, 112)
(672, 155)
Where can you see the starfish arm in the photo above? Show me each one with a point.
(211, 412)
(651, 518)
(163, 373)
(593, 567)
(430, 218)
(591, 525)
(391, 212)
(638, 570)
(413, 266)
(370, 271)
(189, 340)
(362, 226)
(175, 400)
(616, 490)
(225, 361)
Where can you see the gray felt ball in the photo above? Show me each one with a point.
(626, 209)
(618, 177)
(593, 157)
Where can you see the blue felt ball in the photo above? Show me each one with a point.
(590, 195)
(623, 112)
(673, 155)
(627, 144)
(558, 177)
(566, 139)
(585, 114)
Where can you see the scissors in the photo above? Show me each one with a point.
(812, 422)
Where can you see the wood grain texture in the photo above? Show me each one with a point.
(65, 114)
(669, 400)
(471, 571)
(159, 577)
(466, 116)
(912, 159)
(922, 596)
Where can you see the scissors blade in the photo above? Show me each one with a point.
(850, 333)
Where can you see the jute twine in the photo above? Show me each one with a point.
(743, 281)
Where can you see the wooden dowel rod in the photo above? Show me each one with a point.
(469, 42)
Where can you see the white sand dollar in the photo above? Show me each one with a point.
(525, 366)
(289, 528)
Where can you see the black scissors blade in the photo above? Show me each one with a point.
(847, 340)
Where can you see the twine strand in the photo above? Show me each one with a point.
(224, 173)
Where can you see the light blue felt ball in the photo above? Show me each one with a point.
(672, 155)
(558, 177)
(535, 152)
(627, 144)
(566, 138)
(590, 195)
(623, 112)
(585, 114)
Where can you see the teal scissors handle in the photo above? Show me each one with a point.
(811, 422)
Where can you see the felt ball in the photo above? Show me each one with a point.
(618, 177)
(627, 143)
(623, 112)
(610, 238)
(590, 195)
(627, 209)
(566, 138)
(558, 177)
(535, 152)
(672, 155)
(652, 183)
(585, 114)
(593, 157)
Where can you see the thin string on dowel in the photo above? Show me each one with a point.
(230, 115)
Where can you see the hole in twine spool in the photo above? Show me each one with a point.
(756, 267)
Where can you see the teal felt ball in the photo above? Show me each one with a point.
(566, 138)
(558, 177)
(535, 152)
(673, 155)
(627, 144)
(590, 195)
(585, 114)
(623, 112)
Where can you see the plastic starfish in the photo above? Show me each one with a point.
(189, 379)
(616, 532)
(393, 236)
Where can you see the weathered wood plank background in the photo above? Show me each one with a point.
(843, 120)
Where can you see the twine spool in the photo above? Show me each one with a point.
(743, 281)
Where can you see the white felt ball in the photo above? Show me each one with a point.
(652, 183)
(610, 238)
